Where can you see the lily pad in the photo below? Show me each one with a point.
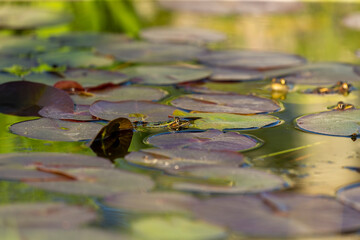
(25, 17)
(24, 63)
(133, 110)
(80, 113)
(279, 215)
(182, 35)
(177, 159)
(88, 39)
(29, 174)
(8, 77)
(99, 182)
(165, 75)
(335, 123)
(151, 203)
(233, 74)
(172, 228)
(236, 180)
(250, 59)
(56, 130)
(48, 77)
(350, 195)
(75, 59)
(15, 46)
(223, 121)
(25, 98)
(120, 93)
(208, 140)
(44, 215)
(226, 103)
(143, 52)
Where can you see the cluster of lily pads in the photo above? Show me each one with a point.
(99, 88)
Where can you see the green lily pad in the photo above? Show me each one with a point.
(121, 93)
(251, 59)
(56, 130)
(226, 103)
(98, 182)
(44, 215)
(143, 52)
(151, 203)
(172, 228)
(232, 74)
(15, 46)
(165, 75)
(10, 61)
(25, 17)
(88, 39)
(75, 59)
(235, 180)
(181, 35)
(335, 123)
(8, 77)
(177, 159)
(223, 121)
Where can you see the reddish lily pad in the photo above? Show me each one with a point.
(133, 110)
(177, 159)
(164, 75)
(342, 123)
(207, 140)
(15, 46)
(150, 203)
(251, 59)
(226, 103)
(143, 52)
(231, 180)
(99, 182)
(75, 59)
(279, 215)
(27, 98)
(182, 35)
(44, 215)
(56, 130)
(233, 74)
(120, 93)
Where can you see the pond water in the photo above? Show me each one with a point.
(274, 181)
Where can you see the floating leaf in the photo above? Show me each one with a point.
(226, 103)
(181, 35)
(223, 121)
(47, 77)
(133, 110)
(24, 17)
(164, 75)
(8, 77)
(15, 46)
(18, 173)
(250, 59)
(143, 52)
(80, 113)
(279, 215)
(56, 130)
(151, 203)
(24, 63)
(336, 123)
(113, 140)
(122, 93)
(236, 180)
(233, 74)
(75, 59)
(99, 182)
(175, 159)
(88, 39)
(44, 215)
(207, 140)
(172, 228)
(27, 98)
(350, 195)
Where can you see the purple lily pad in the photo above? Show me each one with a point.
(80, 113)
(165, 75)
(232, 74)
(148, 111)
(181, 35)
(335, 123)
(150, 203)
(226, 103)
(231, 180)
(177, 159)
(143, 52)
(44, 215)
(56, 130)
(251, 59)
(208, 140)
(99, 182)
(27, 98)
(279, 215)
(121, 93)
(350, 195)
(29, 174)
